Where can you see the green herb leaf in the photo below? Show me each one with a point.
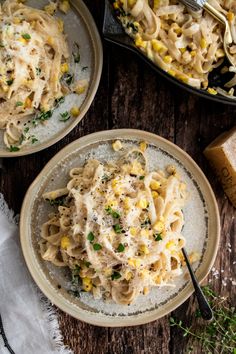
(26, 36)
(38, 71)
(26, 130)
(57, 201)
(97, 247)
(90, 236)
(76, 53)
(120, 248)
(115, 275)
(42, 117)
(10, 82)
(157, 237)
(19, 103)
(64, 116)
(34, 140)
(117, 228)
(68, 78)
(14, 148)
(59, 101)
(112, 212)
(141, 177)
(87, 264)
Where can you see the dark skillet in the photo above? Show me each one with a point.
(114, 33)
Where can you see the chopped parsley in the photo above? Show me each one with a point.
(117, 228)
(105, 177)
(42, 117)
(112, 212)
(76, 53)
(157, 237)
(26, 36)
(10, 82)
(68, 78)
(19, 103)
(141, 177)
(34, 140)
(120, 248)
(75, 275)
(115, 275)
(38, 71)
(132, 26)
(64, 116)
(59, 101)
(57, 201)
(97, 247)
(87, 264)
(26, 130)
(146, 223)
(90, 236)
(13, 148)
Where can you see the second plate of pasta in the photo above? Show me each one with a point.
(110, 214)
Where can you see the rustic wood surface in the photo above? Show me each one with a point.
(131, 95)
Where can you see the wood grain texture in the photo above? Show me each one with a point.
(131, 95)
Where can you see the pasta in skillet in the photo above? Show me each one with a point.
(186, 44)
(33, 59)
(119, 228)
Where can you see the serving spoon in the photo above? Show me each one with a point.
(204, 307)
(196, 5)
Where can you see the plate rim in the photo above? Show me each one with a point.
(86, 316)
(96, 77)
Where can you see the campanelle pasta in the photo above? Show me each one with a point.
(186, 44)
(33, 57)
(117, 226)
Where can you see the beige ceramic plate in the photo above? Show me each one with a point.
(201, 230)
(80, 28)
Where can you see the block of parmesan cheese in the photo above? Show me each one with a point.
(222, 155)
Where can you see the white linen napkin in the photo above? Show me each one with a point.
(30, 322)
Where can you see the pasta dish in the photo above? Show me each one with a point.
(187, 45)
(117, 226)
(33, 64)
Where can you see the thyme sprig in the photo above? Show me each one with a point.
(218, 336)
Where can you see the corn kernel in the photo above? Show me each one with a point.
(212, 91)
(182, 78)
(127, 203)
(117, 145)
(131, 2)
(158, 226)
(16, 20)
(28, 103)
(50, 41)
(144, 273)
(114, 183)
(145, 290)
(220, 53)
(128, 275)
(108, 271)
(170, 245)
(112, 203)
(142, 203)
(155, 4)
(64, 6)
(143, 146)
(65, 242)
(60, 24)
(155, 185)
(133, 231)
(23, 41)
(230, 16)
(140, 43)
(203, 43)
(136, 168)
(158, 46)
(158, 279)
(171, 72)
(134, 262)
(64, 68)
(154, 194)
(183, 50)
(193, 53)
(116, 5)
(144, 249)
(75, 111)
(167, 59)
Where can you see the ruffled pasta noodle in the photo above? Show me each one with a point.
(188, 45)
(119, 228)
(33, 48)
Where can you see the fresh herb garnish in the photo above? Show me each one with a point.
(26, 36)
(115, 275)
(112, 212)
(157, 237)
(64, 116)
(68, 78)
(131, 25)
(75, 275)
(26, 130)
(38, 71)
(42, 117)
(217, 336)
(10, 82)
(84, 68)
(97, 247)
(57, 201)
(120, 248)
(87, 264)
(19, 103)
(117, 228)
(145, 223)
(141, 177)
(76, 53)
(105, 178)
(13, 148)
(34, 140)
(59, 101)
(90, 236)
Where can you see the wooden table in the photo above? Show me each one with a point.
(131, 95)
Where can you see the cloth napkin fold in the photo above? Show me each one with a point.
(29, 320)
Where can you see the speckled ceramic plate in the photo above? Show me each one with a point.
(79, 27)
(201, 230)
